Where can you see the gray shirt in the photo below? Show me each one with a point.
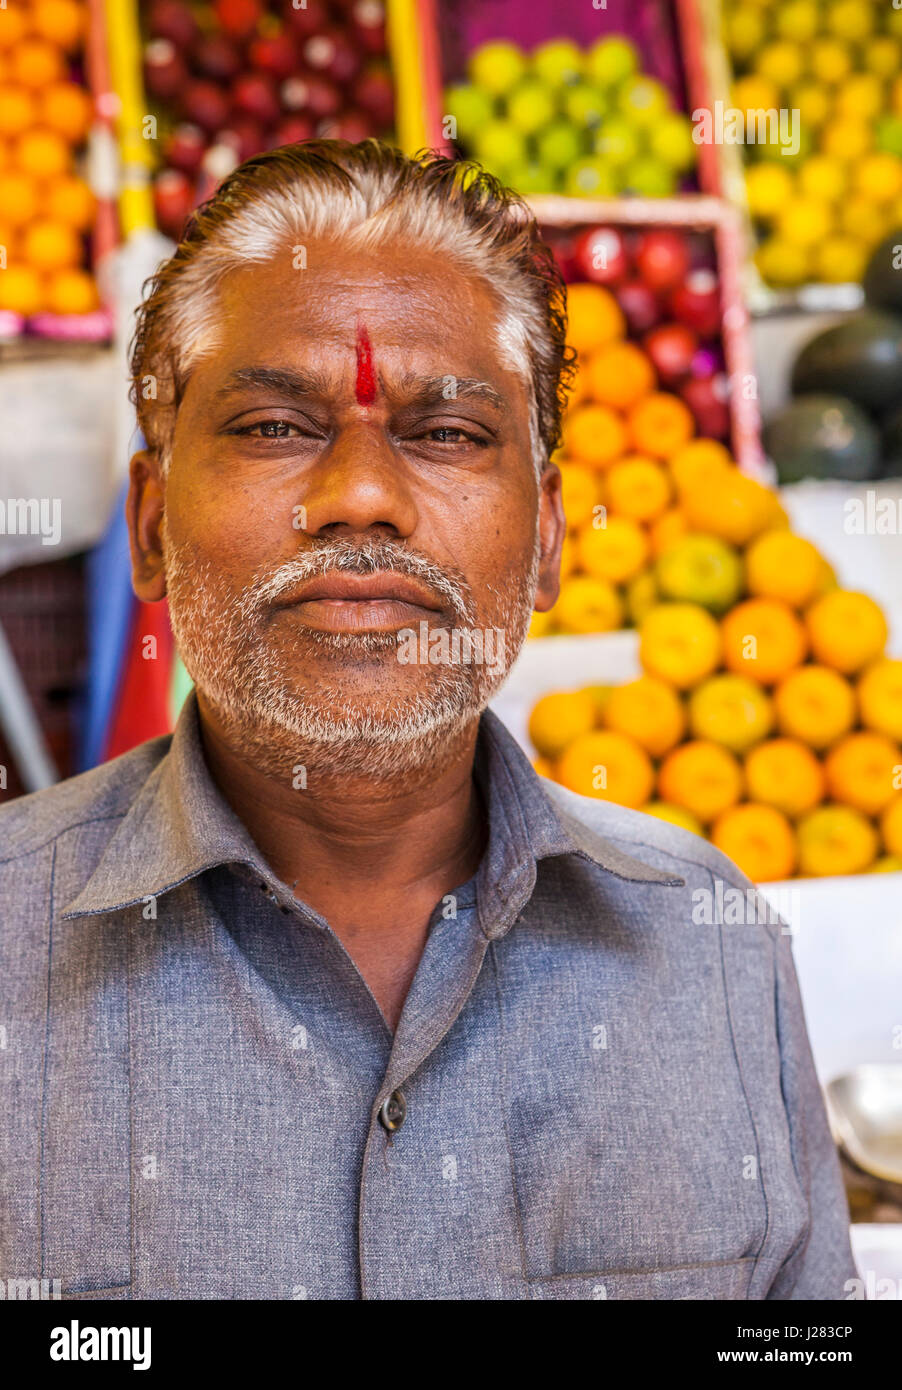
(598, 1097)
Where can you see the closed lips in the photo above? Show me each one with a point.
(364, 588)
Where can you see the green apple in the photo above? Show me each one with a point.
(611, 61)
(585, 104)
(527, 178)
(649, 178)
(591, 177)
(499, 144)
(559, 144)
(643, 100)
(497, 67)
(617, 142)
(471, 107)
(531, 106)
(558, 62)
(889, 134)
(670, 140)
(700, 569)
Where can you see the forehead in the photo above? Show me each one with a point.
(417, 307)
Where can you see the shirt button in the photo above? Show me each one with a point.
(392, 1111)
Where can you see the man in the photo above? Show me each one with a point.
(330, 996)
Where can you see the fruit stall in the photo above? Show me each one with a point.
(721, 184)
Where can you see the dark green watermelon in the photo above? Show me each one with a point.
(892, 445)
(823, 437)
(883, 277)
(859, 358)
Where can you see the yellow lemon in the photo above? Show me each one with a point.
(768, 187)
(847, 138)
(841, 260)
(782, 263)
(805, 221)
(782, 61)
(879, 177)
(860, 95)
(830, 60)
(823, 178)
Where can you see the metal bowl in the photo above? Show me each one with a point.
(865, 1109)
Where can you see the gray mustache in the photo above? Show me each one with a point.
(345, 557)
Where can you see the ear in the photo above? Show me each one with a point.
(552, 529)
(144, 513)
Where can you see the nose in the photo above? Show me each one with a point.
(360, 485)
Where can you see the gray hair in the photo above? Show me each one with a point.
(366, 195)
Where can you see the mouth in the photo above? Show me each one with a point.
(381, 602)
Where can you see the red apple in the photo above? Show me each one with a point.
(639, 304)
(238, 18)
(305, 17)
(350, 125)
(205, 104)
(332, 54)
(165, 73)
(706, 362)
(366, 25)
(600, 253)
(314, 94)
(244, 136)
(217, 57)
(254, 94)
(670, 348)
(275, 54)
(184, 149)
(291, 130)
(174, 20)
(374, 91)
(697, 302)
(173, 200)
(708, 398)
(662, 259)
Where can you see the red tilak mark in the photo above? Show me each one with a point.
(366, 372)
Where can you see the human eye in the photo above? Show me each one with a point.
(269, 429)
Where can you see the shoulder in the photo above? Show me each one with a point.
(636, 832)
(99, 797)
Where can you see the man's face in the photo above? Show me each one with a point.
(351, 462)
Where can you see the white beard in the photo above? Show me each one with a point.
(222, 639)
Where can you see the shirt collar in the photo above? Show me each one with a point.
(180, 825)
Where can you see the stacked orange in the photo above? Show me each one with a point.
(769, 720)
(625, 445)
(46, 206)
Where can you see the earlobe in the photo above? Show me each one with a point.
(144, 509)
(552, 529)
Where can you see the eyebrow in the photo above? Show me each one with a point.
(434, 389)
(419, 391)
(286, 380)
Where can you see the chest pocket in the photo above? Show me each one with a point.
(85, 1161)
(635, 1162)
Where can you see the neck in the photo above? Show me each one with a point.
(420, 833)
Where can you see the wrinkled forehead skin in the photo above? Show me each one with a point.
(424, 318)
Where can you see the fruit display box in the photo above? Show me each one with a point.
(717, 231)
(229, 80)
(821, 196)
(57, 218)
(665, 37)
